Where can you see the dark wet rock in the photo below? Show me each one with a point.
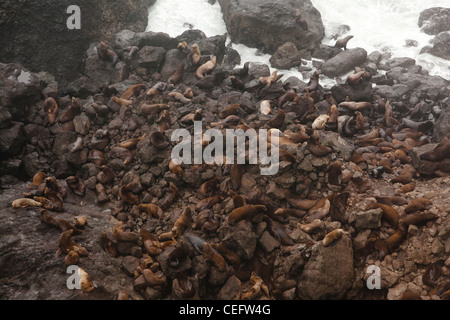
(395, 92)
(20, 88)
(403, 62)
(62, 141)
(361, 92)
(370, 219)
(329, 272)
(42, 50)
(12, 140)
(129, 264)
(344, 62)
(267, 25)
(82, 124)
(440, 46)
(241, 239)
(286, 57)
(442, 124)
(231, 290)
(431, 87)
(149, 57)
(325, 52)
(434, 20)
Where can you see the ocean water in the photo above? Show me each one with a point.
(377, 25)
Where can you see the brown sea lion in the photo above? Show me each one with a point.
(205, 68)
(439, 153)
(245, 212)
(394, 241)
(228, 111)
(269, 80)
(106, 54)
(342, 43)
(194, 55)
(178, 76)
(332, 237)
(70, 113)
(133, 91)
(419, 204)
(149, 109)
(51, 110)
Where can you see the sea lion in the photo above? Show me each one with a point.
(175, 167)
(245, 212)
(269, 80)
(418, 218)
(205, 68)
(72, 258)
(342, 43)
(432, 273)
(125, 236)
(265, 107)
(76, 185)
(228, 111)
(389, 213)
(214, 258)
(131, 143)
(258, 285)
(25, 202)
(320, 122)
(439, 153)
(207, 187)
(313, 83)
(406, 174)
(356, 106)
(332, 237)
(183, 222)
(86, 282)
(70, 113)
(121, 153)
(80, 221)
(133, 91)
(312, 226)
(406, 188)
(106, 54)
(178, 96)
(149, 109)
(394, 241)
(338, 207)
(319, 210)
(194, 55)
(158, 140)
(51, 110)
(419, 204)
(358, 77)
(151, 209)
(122, 102)
(108, 245)
(157, 89)
(152, 280)
(127, 196)
(178, 76)
(182, 46)
(278, 120)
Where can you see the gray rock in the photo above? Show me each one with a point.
(240, 238)
(329, 272)
(344, 62)
(370, 219)
(268, 243)
(441, 45)
(361, 92)
(325, 52)
(82, 124)
(129, 264)
(62, 140)
(267, 25)
(149, 57)
(286, 57)
(334, 140)
(12, 140)
(403, 62)
(434, 20)
(231, 290)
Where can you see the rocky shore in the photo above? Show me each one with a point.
(363, 178)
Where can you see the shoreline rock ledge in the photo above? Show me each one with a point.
(267, 25)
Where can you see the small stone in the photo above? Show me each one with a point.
(268, 243)
(129, 264)
(370, 219)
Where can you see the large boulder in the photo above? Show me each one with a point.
(434, 20)
(35, 33)
(344, 62)
(440, 46)
(267, 24)
(329, 272)
(286, 57)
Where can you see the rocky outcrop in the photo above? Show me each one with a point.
(286, 57)
(267, 25)
(344, 62)
(35, 33)
(329, 272)
(434, 20)
(440, 46)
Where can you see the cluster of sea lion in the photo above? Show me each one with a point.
(190, 229)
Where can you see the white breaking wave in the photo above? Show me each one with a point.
(377, 25)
